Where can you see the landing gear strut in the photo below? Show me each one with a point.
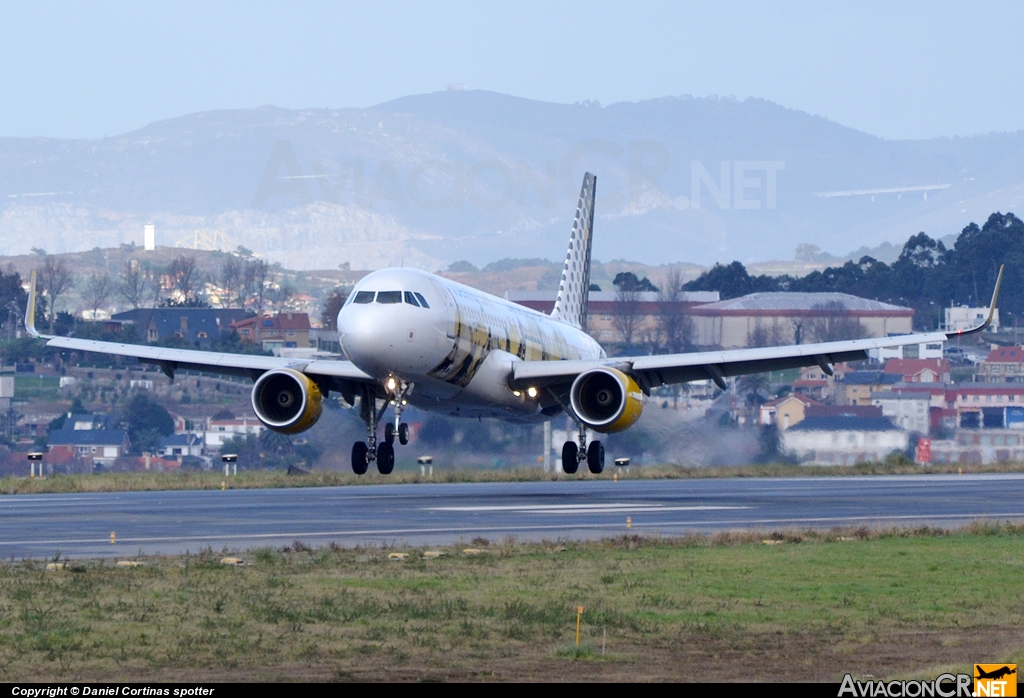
(365, 452)
(574, 453)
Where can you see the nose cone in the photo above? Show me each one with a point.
(388, 339)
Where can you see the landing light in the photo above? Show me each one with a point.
(532, 392)
(516, 393)
(392, 384)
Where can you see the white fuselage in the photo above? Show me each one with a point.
(458, 351)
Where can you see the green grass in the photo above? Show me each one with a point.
(32, 387)
(256, 479)
(811, 607)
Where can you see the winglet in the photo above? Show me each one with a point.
(30, 309)
(991, 310)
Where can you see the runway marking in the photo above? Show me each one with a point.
(582, 508)
(501, 529)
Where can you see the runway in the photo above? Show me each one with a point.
(434, 514)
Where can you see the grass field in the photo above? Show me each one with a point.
(808, 606)
(256, 479)
(31, 386)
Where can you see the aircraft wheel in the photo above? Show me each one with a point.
(569, 460)
(595, 457)
(389, 433)
(359, 462)
(403, 433)
(385, 458)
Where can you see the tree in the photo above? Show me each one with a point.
(133, 284)
(185, 276)
(57, 280)
(673, 322)
(627, 315)
(146, 422)
(231, 273)
(628, 281)
(332, 306)
(833, 323)
(257, 279)
(97, 291)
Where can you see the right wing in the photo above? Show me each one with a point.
(655, 370)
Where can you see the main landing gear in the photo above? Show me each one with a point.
(573, 454)
(363, 452)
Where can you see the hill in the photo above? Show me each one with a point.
(430, 179)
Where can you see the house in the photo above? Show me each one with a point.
(869, 411)
(919, 370)
(221, 430)
(963, 318)
(196, 326)
(284, 330)
(93, 447)
(909, 410)
(785, 411)
(1003, 364)
(857, 387)
(177, 446)
(843, 440)
(926, 350)
(988, 405)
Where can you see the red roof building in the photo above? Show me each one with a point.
(919, 370)
(1003, 364)
(284, 330)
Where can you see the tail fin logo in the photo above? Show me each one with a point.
(574, 286)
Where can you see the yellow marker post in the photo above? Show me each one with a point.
(113, 537)
(223, 485)
(579, 616)
(615, 476)
(629, 522)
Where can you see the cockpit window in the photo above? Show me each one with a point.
(364, 297)
(389, 297)
(411, 299)
(423, 301)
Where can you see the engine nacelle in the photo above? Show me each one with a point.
(606, 399)
(287, 401)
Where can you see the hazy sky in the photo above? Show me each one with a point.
(898, 70)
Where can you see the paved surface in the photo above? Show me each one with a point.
(175, 522)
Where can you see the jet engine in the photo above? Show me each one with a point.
(606, 399)
(287, 401)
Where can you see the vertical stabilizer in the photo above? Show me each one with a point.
(574, 286)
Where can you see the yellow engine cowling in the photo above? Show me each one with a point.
(287, 401)
(606, 399)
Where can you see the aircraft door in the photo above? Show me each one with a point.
(451, 309)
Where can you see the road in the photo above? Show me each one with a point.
(434, 514)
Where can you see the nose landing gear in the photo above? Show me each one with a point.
(383, 453)
(573, 454)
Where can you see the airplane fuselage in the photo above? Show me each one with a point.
(455, 344)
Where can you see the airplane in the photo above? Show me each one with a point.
(413, 338)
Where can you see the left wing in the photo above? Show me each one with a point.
(653, 371)
(337, 375)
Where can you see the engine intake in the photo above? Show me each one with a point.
(287, 401)
(606, 399)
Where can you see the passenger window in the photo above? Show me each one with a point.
(423, 301)
(364, 297)
(389, 297)
(411, 299)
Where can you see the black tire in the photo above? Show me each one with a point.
(595, 457)
(359, 461)
(403, 433)
(385, 458)
(570, 451)
(389, 433)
